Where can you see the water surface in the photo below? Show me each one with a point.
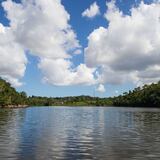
(70, 133)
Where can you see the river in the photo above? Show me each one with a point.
(72, 133)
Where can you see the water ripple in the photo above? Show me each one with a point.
(69, 133)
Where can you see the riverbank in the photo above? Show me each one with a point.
(146, 96)
(14, 106)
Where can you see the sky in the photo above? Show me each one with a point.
(69, 48)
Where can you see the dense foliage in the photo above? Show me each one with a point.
(9, 96)
(147, 96)
(69, 101)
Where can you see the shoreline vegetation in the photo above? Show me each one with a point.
(14, 106)
(146, 96)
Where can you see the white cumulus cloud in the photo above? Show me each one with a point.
(12, 57)
(42, 28)
(101, 88)
(129, 48)
(92, 11)
(61, 72)
(116, 92)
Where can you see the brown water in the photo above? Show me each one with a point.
(72, 133)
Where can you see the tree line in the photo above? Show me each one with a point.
(9, 96)
(146, 96)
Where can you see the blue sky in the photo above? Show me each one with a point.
(83, 27)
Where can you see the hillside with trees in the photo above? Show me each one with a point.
(146, 96)
(10, 97)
